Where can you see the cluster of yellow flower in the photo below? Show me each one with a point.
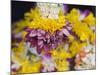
(82, 27)
(34, 20)
(47, 24)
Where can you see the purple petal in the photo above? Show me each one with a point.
(28, 29)
(60, 33)
(47, 36)
(41, 31)
(33, 33)
(39, 50)
(53, 46)
(40, 37)
(69, 59)
(48, 41)
(48, 55)
(14, 70)
(65, 32)
(65, 8)
(46, 47)
(33, 43)
(86, 12)
(38, 34)
(40, 42)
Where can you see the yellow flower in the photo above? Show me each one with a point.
(90, 20)
(26, 66)
(60, 54)
(19, 48)
(55, 54)
(81, 27)
(93, 37)
(71, 38)
(30, 67)
(62, 65)
(64, 54)
(73, 16)
(33, 14)
(50, 25)
(82, 30)
(76, 47)
(20, 25)
(19, 52)
(34, 20)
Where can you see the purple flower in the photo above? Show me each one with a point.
(48, 63)
(84, 14)
(65, 8)
(43, 40)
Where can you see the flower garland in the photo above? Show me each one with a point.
(49, 40)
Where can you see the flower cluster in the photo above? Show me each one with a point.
(43, 40)
(50, 39)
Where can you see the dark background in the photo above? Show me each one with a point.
(18, 8)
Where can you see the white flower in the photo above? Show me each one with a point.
(89, 61)
(48, 64)
(49, 10)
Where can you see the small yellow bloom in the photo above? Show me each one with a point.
(19, 52)
(54, 54)
(30, 67)
(62, 65)
(73, 16)
(19, 48)
(92, 39)
(90, 20)
(64, 54)
(33, 14)
(76, 47)
(71, 38)
(60, 54)
(20, 25)
(82, 30)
